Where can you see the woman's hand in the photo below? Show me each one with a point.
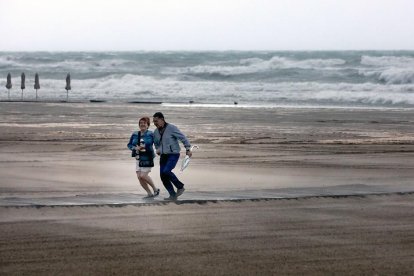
(139, 148)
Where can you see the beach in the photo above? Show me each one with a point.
(283, 190)
(347, 236)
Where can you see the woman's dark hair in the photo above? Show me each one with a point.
(146, 120)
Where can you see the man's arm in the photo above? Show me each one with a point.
(180, 136)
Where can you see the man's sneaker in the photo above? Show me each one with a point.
(171, 198)
(180, 192)
(157, 192)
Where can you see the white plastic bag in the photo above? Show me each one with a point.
(186, 160)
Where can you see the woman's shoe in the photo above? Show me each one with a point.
(148, 197)
(156, 192)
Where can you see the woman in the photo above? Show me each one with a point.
(141, 144)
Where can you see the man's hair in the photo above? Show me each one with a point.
(159, 115)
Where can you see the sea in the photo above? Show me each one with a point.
(360, 79)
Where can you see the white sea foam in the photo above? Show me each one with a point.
(257, 65)
(397, 75)
(66, 65)
(7, 60)
(388, 61)
(136, 87)
(389, 69)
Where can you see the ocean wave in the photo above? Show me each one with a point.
(6, 60)
(397, 75)
(66, 65)
(389, 69)
(388, 61)
(137, 87)
(370, 98)
(258, 65)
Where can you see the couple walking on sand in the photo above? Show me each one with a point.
(166, 139)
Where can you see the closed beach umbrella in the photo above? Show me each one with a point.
(9, 84)
(22, 84)
(37, 84)
(67, 87)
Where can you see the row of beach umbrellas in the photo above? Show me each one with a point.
(9, 84)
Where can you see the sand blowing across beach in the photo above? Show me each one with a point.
(369, 235)
(270, 192)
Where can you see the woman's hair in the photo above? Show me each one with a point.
(146, 120)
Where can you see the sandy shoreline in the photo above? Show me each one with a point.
(66, 150)
(81, 147)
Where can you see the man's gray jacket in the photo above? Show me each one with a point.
(168, 143)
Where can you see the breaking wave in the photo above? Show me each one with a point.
(258, 65)
(143, 88)
(389, 69)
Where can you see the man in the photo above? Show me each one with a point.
(166, 138)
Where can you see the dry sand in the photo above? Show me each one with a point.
(58, 149)
(371, 235)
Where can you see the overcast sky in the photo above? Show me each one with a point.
(73, 25)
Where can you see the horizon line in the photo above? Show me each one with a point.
(205, 50)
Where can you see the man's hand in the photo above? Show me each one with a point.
(189, 153)
(158, 152)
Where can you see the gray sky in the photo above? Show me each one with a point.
(66, 25)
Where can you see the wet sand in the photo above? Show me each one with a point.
(61, 151)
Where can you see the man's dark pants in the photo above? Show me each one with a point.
(168, 178)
